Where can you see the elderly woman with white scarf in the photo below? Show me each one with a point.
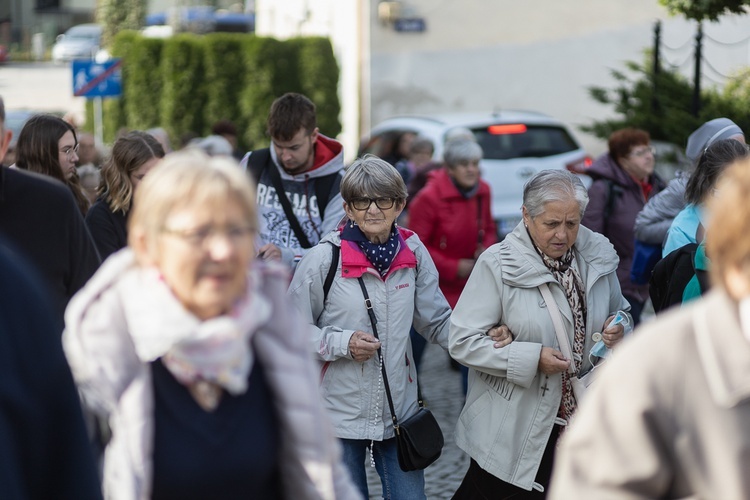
(189, 349)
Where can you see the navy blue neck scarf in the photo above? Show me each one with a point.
(380, 255)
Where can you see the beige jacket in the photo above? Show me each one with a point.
(670, 415)
(511, 406)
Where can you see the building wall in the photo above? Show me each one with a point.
(479, 55)
(541, 55)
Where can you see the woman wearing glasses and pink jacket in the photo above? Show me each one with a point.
(402, 283)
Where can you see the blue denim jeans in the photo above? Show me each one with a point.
(397, 484)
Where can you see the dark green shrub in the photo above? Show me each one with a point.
(143, 94)
(184, 92)
(318, 79)
(225, 78)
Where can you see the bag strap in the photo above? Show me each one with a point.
(562, 337)
(257, 162)
(335, 251)
(374, 322)
(480, 222)
(273, 172)
(323, 187)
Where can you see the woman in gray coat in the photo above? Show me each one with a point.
(675, 425)
(520, 395)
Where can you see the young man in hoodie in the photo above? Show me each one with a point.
(298, 181)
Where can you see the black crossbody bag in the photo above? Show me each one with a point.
(419, 439)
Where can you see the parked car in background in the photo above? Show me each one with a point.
(79, 42)
(516, 144)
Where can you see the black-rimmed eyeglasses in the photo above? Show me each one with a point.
(364, 203)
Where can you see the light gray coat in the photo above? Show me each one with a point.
(669, 416)
(511, 406)
(353, 392)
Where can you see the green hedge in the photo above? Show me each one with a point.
(188, 82)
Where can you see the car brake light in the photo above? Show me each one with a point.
(512, 128)
(580, 166)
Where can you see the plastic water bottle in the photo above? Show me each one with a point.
(600, 350)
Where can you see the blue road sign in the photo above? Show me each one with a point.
(93, 79)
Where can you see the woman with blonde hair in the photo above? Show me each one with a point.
(187, 345)
(133, 156)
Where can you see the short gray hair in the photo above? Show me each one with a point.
(461, 150)
(553, 185)
(370, 176)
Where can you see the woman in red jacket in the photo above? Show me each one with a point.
(452, 217)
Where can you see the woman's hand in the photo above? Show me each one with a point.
(501, 335)
(552, 361)
(362, 346)
(612, 336)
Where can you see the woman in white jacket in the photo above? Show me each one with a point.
(187, 347)
(402, 283)
(520, 395)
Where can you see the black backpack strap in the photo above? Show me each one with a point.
(614, 191)
(335, 251)
(257, 162)
(273, 172)
(324, 186)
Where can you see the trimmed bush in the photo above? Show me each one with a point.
(188, 82)
(184, 93)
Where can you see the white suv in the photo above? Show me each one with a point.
(516, 144)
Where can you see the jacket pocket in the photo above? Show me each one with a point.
(500, 385)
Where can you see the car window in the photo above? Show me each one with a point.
(82, 34)
(382, 144)
(505, 141)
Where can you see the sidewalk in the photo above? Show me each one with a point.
(441, 388)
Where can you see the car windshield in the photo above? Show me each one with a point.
(82, 35)
(506, 141)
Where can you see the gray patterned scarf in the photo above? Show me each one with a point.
(567, 276)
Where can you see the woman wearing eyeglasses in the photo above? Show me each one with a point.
(186, 345)
(48, 145)
(402, 283)
(624, 180)
(133, 156)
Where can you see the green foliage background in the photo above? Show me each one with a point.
(664, 109)
(188, 82)
(705, 9)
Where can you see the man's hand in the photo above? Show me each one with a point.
(269, 251)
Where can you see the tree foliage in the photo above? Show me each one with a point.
(705, 9)
(188, 82)
(662, 105)
(119, 15)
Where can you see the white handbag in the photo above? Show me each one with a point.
(579, 384)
